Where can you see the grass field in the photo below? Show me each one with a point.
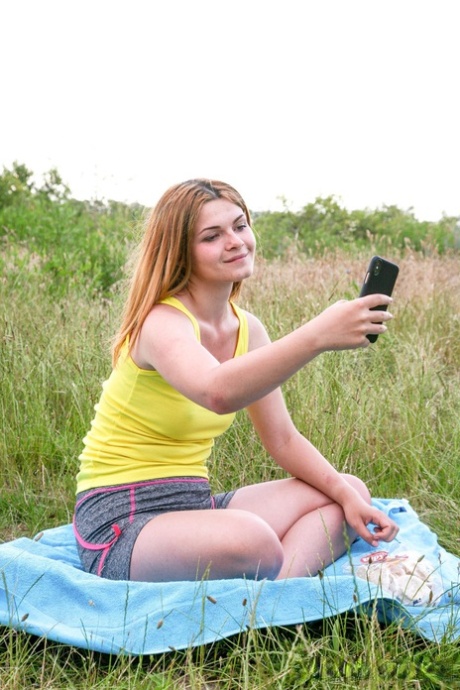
(390, 413)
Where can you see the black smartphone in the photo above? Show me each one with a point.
(380, 278)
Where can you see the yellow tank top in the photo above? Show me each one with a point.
(145, 429)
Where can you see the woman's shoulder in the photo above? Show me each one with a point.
(169, 314)
(164, 326)
(251, 318)
(256, 330)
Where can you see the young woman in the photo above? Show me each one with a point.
(186, 359)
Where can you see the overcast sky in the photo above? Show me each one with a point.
(283, 99)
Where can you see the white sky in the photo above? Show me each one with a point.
(281, 98)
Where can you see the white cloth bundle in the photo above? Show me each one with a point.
(408, 577)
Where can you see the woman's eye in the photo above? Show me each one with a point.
(243, 226)
(209, 238)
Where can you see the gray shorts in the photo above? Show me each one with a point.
(108, 520)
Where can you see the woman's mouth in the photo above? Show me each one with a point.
(236, 258)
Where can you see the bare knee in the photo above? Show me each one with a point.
(359, 485)
(254, 547)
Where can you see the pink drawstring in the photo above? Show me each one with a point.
(105, 548)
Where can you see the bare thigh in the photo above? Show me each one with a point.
(190, 545)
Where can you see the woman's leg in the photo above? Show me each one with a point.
(311, 528)
(190, 545)
(277, 529)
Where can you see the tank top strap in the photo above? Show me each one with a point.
(177, 304)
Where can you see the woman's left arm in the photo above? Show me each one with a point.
(295, 454)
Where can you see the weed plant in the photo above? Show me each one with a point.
(389, 413)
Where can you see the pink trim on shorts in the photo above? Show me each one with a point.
(105, 548)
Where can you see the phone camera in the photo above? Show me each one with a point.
(377, 268)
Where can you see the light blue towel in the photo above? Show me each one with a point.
(44, 592)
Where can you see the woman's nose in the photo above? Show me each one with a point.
(234, 240)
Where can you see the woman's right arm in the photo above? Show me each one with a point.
(168, 344)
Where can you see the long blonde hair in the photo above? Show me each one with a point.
(163, 266)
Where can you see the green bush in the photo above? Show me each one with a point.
(79, 244)
(324, 226)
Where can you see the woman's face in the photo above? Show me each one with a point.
(223, 244)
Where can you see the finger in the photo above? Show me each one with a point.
(373, 540)
(376, 300)
(386, 531)
(367, 535)
(390, 534)
(383, 533)
(376, 328)
(378, 316)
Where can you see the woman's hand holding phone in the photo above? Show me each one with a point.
(346, 324)
(380, 278)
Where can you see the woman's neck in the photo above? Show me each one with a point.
(207, 304)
